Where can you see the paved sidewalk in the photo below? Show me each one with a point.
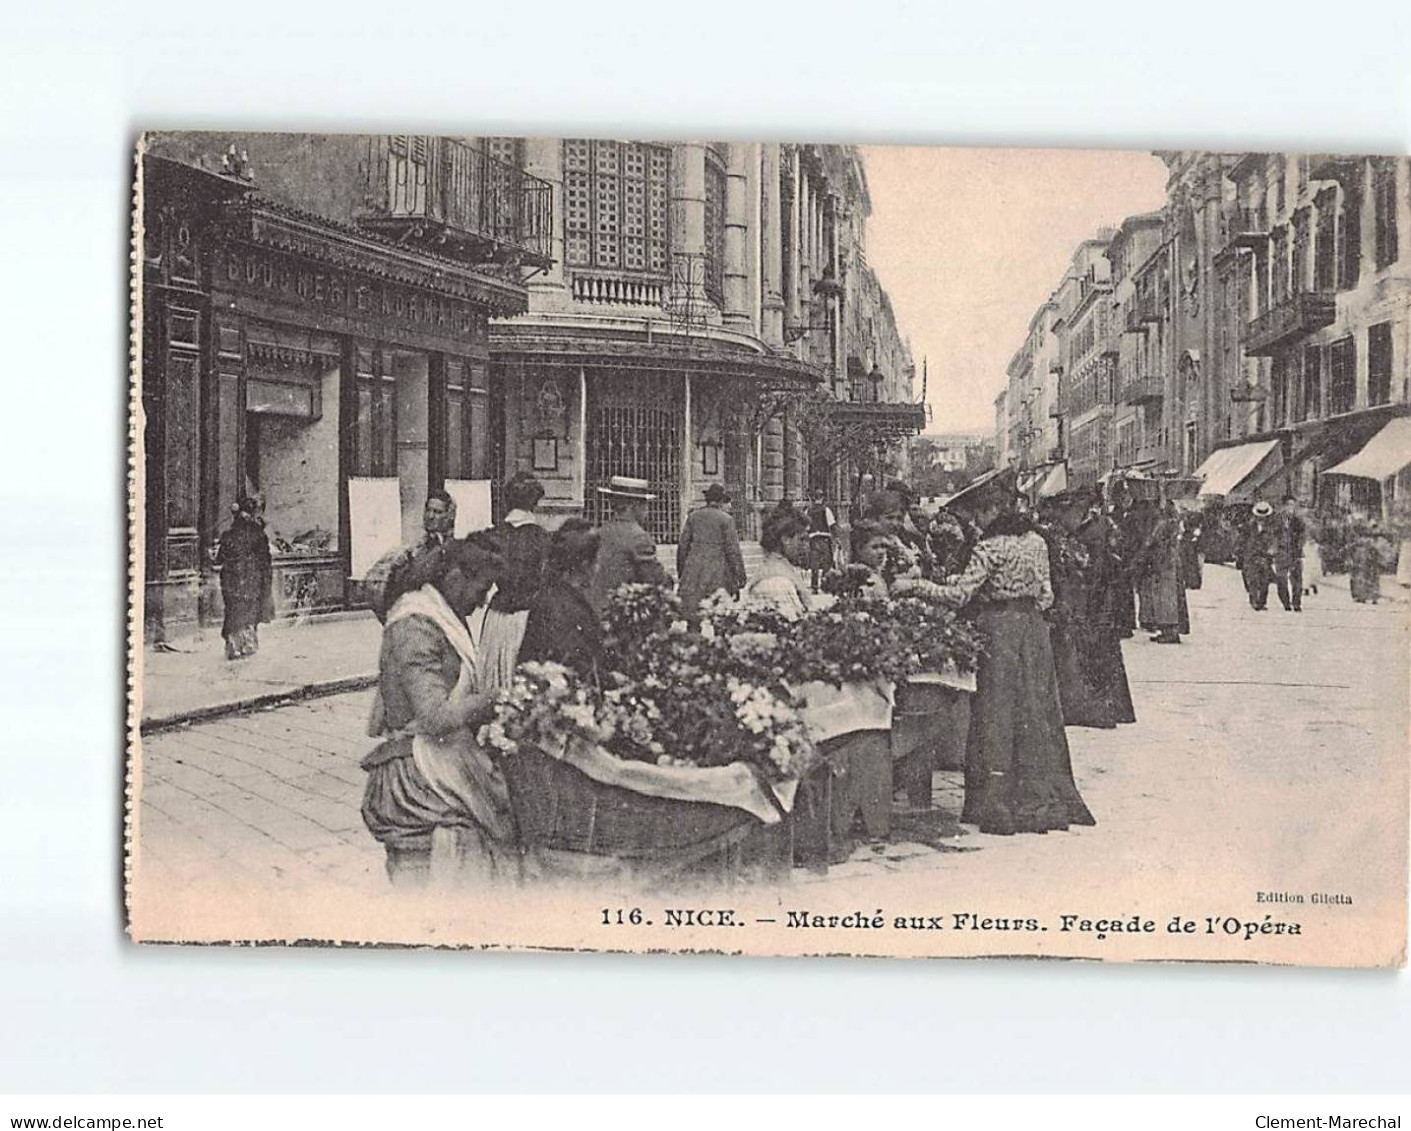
(319, 656)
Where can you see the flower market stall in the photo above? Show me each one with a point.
(750, 744)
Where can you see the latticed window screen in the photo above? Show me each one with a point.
(714, 230)
(467, 419)
(375, 418)
(616, 199)
(1384, 202)
(1379, 363)
(1342, 376)
(635, 427)
(1324, 246)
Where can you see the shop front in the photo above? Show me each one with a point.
(329, 374)
(578, 410)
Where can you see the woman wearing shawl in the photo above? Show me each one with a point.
(428, 780)
(526, 551)
(1018, 772)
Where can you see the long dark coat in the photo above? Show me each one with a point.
(245, 575)
(708, 557)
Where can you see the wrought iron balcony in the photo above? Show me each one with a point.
(1245, 227)
(462, 202)
(1301, 314)
(1143, 390)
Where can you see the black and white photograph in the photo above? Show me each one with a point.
(771, 548)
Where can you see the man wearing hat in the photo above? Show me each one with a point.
(626, 552)
(1256, 560)
(708, 555)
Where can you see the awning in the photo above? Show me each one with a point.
(1382, 456)
(1226, 471)
(1055, 482)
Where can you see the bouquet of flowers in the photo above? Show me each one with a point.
(545, 705)
(701, 699)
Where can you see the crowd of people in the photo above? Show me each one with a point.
(1053, 585)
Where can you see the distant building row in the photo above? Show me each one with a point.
(1255, 331)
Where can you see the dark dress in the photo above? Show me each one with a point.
(1101, 642)
(563, 628)
(244, 561)
(1068, 569)
(1018, 771)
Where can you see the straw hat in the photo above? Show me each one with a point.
(625, 487)
(1262, 509)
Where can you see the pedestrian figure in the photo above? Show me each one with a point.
(431, 786)
(821, 525)
(626, 552)
(526, 548)
(400, 569)
(1018, 771)
(1069, 575)
(708, 557)
(1365, 564)
(1288, 556)
(245, 580)
(562, 626)
(1127, 541)
(779, 580)
(1162, 589)
(1256, 556)
(1190, 551)
(1100, 640)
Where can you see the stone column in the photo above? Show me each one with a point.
(805, 191)
(771, 254)
(543, 158)
(738, 306)
(688, 206)
(772, 463)
(791, 252)
(754, 240)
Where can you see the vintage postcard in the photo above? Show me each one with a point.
(770, 548)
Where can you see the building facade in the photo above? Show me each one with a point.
(1262, 316)
(325, 312)
(315, 313)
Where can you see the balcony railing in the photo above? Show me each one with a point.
(1143, 390)
(449, 193)
(1245, 227)
(608, 289)
(1294, 316)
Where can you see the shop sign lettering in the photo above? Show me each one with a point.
(346, 293)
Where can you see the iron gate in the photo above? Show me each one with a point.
(635, 427)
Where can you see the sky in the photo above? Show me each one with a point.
(969, 242)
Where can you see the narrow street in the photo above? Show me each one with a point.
(1269, 742)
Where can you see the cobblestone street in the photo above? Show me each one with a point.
(1249, 736)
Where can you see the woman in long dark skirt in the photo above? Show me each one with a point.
(1101, 636)
(1069, 574)
(1018, 775)
(244, 561)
